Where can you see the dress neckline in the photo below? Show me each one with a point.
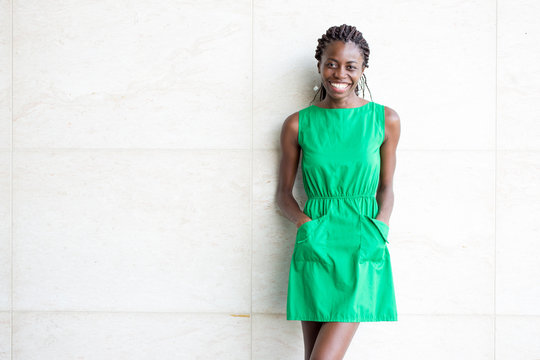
(353, 108)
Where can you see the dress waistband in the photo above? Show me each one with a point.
(341, 196)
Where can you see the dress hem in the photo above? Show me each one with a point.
(333, 319)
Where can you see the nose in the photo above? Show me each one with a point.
(339, 73)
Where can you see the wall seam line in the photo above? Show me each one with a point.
(496, 184)
(251, 189)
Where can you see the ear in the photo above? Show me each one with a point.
(318, 66)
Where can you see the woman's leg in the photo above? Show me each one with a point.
(333, 340)
(310, 330)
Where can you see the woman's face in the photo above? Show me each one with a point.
(341, 68)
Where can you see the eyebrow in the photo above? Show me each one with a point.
(337, 61)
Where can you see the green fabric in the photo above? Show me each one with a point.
(340, 268)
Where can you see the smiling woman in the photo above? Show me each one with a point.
(340, 272)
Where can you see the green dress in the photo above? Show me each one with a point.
(340, 268)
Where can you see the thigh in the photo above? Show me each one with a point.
(333, 340)
(310, 329)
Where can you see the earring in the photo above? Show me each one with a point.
(315, 88)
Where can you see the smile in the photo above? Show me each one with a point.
(339, 87)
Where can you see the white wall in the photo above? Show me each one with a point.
(139, 158)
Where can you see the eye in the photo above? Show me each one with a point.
(352, 67)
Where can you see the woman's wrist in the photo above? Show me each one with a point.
(303, 218)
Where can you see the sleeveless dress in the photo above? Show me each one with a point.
(340, 268)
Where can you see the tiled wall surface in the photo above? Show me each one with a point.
(139, 150)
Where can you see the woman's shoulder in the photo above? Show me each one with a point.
(390, 115)
(293, 118)
(290, 124)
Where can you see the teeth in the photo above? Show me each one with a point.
(339, 86)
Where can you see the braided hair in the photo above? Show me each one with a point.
(344, 33)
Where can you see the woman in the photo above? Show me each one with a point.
(340, 272)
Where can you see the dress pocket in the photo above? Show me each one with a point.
(382, 227)
(307, 229)
(373, 247)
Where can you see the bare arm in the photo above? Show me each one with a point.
(290, 155)
(385, 192)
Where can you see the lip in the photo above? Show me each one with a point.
(336, 89)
